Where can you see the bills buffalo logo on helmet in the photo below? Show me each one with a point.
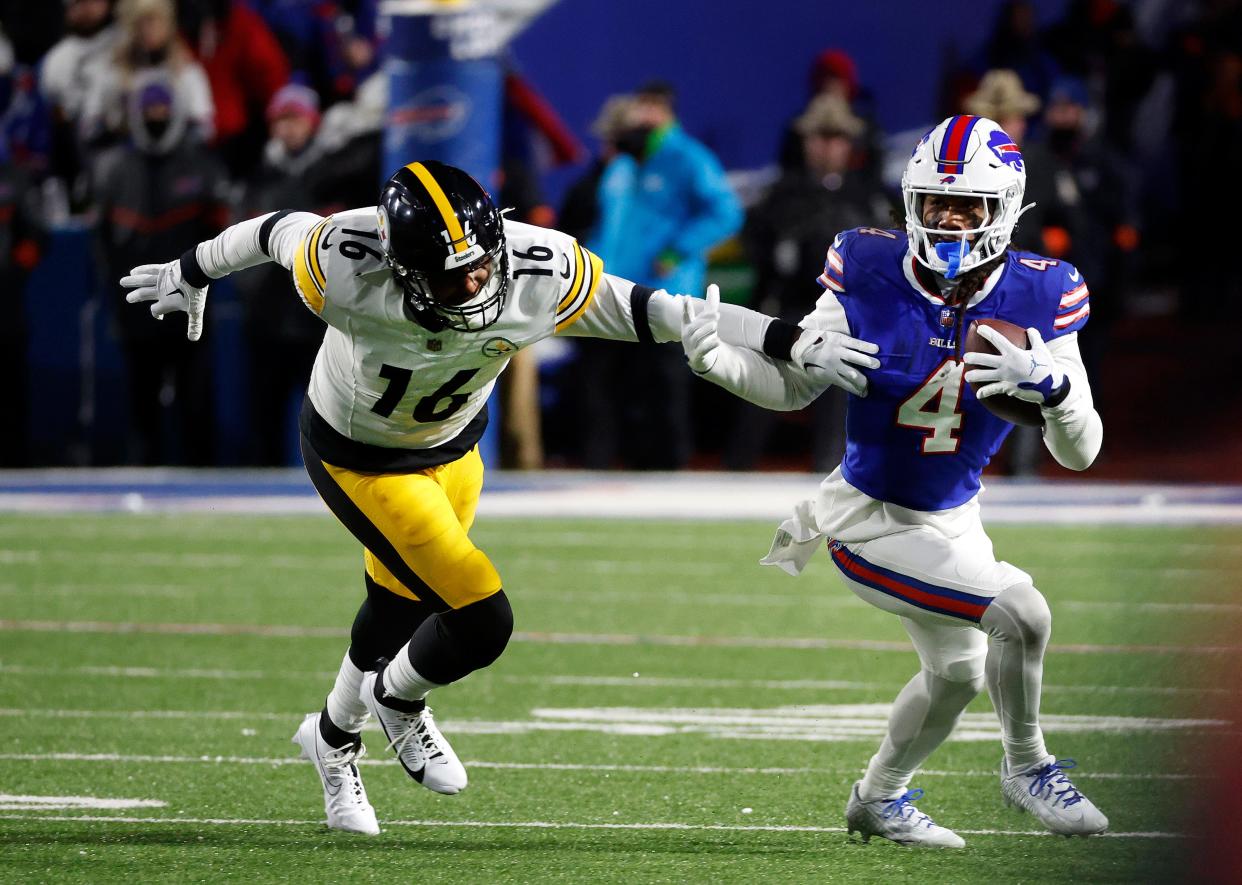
(1004, 148)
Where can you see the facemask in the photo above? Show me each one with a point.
(156, 129)
(1062, 140)
(152, 58)
(633, 141)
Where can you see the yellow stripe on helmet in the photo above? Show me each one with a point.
(451, 223)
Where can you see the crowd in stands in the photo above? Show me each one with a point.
(157, 122)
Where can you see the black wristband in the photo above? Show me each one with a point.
(265, 230)
(191, 271)
(639, 296)
(778, 340)
(1058, 395)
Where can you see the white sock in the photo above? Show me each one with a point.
(923, 715)
(1018, 625)
(402, 681)
(345, 707)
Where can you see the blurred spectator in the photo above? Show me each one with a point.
(580, 208)
(787, 235)
(1017, 45)
(600, 366)
(1000, 97)
(65, 79)
(332, 43)
(1085, 210)
(351, 136)
(658, 219)
(148, 46)
(282, 336)
(24, 117)
(1097, 42)
(158, 194)
(21, 244)
(32, 28)
(834, 73)
(245, 66)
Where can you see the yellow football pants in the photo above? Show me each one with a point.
(413, 527)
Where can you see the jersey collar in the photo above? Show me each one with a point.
(908, 264)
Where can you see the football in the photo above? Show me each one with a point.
(1010, 408)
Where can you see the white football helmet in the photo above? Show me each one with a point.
(966, 156)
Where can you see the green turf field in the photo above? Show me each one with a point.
(660, 717)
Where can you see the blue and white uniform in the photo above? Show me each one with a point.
(920, 438)
(900, 515)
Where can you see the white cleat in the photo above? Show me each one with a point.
(344, 797)
(420, 747)
(1047, 793)
(897, 820)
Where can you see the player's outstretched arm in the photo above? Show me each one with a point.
(752, 375)
(769, 362)
(182, 284)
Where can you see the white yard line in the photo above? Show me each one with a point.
(564, 638)
(130, 758)
(667, 594)
(113, 672)
(10, 802)
(603, 533)
(819, 684)
(594, 566)
(813, 723)
(531, 825)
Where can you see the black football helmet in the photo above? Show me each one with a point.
(439, 226)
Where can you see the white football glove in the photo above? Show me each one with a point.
(163, 285)
(699, 336)
(826, 359)
(1031, 375)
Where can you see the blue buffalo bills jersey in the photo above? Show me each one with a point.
(920, 438)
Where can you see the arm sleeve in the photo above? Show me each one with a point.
(271, 237)
(626, 311)
(1073, 431)
(764, 381)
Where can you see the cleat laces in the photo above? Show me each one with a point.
(903, 808)
(1045, 781)
(340, 766)
(417, 729)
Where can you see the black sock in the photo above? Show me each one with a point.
(332, 735)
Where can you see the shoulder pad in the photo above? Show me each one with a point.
(848, 244)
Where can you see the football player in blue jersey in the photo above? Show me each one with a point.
(901, 512)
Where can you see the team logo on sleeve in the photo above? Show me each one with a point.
(499, 347)
(1004, 148)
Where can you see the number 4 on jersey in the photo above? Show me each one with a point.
(933, 408)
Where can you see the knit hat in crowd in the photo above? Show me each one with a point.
(293, 100)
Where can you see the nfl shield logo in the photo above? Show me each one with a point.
(434, 345)
(946, 317)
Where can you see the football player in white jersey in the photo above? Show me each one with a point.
(425, 298)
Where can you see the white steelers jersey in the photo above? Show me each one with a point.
(384, 380)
